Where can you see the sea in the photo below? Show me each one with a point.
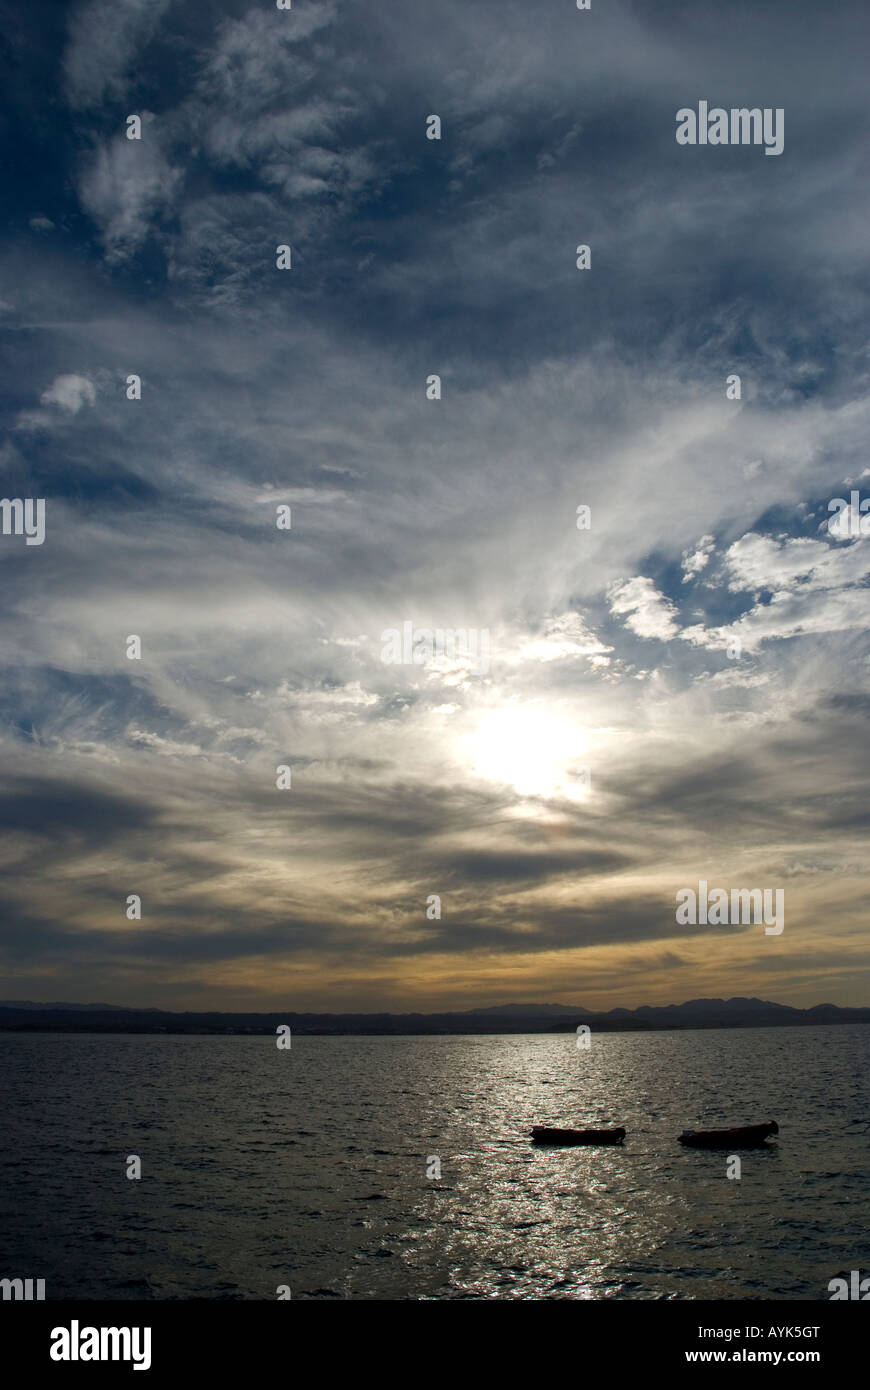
(402, 1168)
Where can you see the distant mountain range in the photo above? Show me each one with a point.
(70, 1008)
(26, 1016)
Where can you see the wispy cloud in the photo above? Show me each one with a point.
(613, 750)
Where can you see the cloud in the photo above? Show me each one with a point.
(70, 392)
(261, 647)
(564, 637)
(129, 183)
(806, 587)
(105, 37)
(783, 564)
(695, 560)
(646, 611)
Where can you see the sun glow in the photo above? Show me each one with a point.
(532, 748)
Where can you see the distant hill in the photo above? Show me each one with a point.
(27, 1016)
(102, 1008)
(534, 1010)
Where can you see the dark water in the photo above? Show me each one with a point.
(308, 1167)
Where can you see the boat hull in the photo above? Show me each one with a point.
(565, 1138)
(749, 1137)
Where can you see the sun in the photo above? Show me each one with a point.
(531, 747)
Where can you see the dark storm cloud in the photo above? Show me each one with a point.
(512, 867)
(68, 812)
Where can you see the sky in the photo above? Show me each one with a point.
(676, 691)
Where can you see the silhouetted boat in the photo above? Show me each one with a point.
(749, 1137)
(541, 1134)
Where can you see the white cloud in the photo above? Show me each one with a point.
(789, 615)
(765, 562)
(129, 183)
(647, 612)
(694, 561)
(814, 587)
(567, 635)
(350, 695)
(70, 392)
